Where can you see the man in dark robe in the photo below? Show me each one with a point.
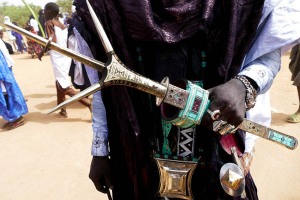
(199, 40)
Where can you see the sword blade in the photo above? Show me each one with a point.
(90, 90)
(102, 35)
(285, 140)
(65, 51)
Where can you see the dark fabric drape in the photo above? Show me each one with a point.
(226, 26)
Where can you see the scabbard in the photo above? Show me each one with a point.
(287, 141)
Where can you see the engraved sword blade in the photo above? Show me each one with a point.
(115, 73)
(102, 35)
(65, 51)
(285, 140)
(90, 90)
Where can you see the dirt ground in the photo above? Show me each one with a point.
(49, 157)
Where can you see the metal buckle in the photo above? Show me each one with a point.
(175, 178)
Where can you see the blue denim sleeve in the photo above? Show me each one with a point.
(263, 70)
(99, 121)
(100, 131)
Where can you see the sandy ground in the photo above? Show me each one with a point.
(49, 157)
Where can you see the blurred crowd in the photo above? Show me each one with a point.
(12, 102)
(16, 43)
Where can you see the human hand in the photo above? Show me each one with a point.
(41, 54)
(46, 48)
(229, 99)
(100, 173)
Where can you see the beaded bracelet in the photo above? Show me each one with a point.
(251, 92)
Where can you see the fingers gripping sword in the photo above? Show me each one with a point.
(114, 72)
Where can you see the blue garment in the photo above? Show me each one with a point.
(16, 106)
(279, 28)
(277, 32)
(264, 69)
(19, 41)
(100, 130)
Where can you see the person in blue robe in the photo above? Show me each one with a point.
(12, 103)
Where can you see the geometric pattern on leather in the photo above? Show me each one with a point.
(186, 142)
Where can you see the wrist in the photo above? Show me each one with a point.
(252, 82)
(251, 90)
(99, 148)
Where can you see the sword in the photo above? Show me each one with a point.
(114, 72)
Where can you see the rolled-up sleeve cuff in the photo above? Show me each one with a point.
(263, 70)
(99, 145)
(259, 74)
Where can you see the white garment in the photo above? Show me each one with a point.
(61, 20)
(9, 61)
(6, 54)
(7, 20)
(34, 24)
(280, 26)
(261, 113)
(2, 87)
(78, 75)
(60, 63)
(11, 38)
